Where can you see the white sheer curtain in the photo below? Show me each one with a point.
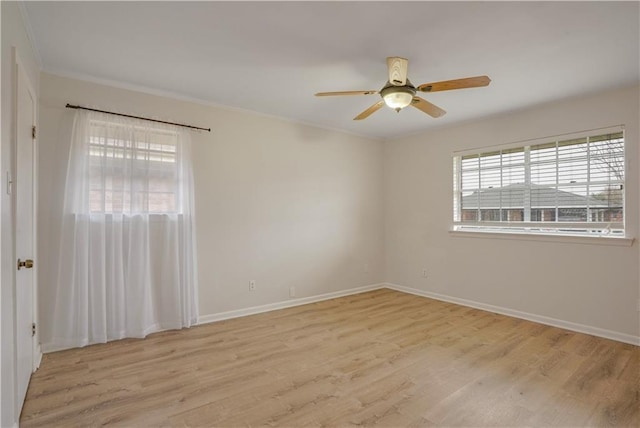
(127, 259)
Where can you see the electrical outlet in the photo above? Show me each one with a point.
(424, 273)
(366, 268)
(292, 291)
(252, 285)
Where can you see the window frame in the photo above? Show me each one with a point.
(598, 230)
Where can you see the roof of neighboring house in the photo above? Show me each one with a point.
(512, 196)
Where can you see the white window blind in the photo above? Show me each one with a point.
(558, 185)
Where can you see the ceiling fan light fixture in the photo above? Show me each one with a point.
(398, 100)
(397, 97)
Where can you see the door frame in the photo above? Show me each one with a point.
(36, 349)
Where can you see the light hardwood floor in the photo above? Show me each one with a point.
(379, 358)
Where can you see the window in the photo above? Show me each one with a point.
(565, 185)
(133, 169)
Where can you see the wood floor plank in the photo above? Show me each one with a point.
(381, 358)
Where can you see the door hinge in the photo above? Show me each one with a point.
(33, 132)
(33, 329)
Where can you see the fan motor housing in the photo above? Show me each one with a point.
(392, 89)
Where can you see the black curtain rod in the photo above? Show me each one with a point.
(138, 117)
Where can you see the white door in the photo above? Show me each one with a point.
(24, 222)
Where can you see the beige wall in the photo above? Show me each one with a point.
(292, 205)
(277, 202)
(15, 36)
(583, 283)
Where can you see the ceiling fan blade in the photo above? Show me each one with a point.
(424, 105)
(330, 94)
(447, 85)
(397, 70)
(368, 112)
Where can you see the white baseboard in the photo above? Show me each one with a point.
(205, 319)
(580, 328)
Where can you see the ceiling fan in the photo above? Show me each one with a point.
(399, 92)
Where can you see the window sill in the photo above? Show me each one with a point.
(540, 237)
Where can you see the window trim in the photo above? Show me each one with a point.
(621, 241)
(514, 230)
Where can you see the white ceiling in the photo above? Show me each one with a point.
(271, 57)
